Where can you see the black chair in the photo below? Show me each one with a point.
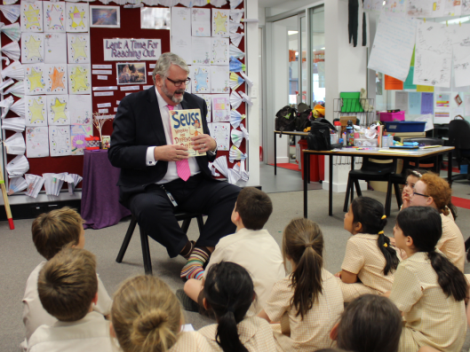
(459, 137)
(180, 216)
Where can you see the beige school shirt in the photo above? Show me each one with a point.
(433, 319)
(364, 258)
(259, 253)
(191, 341)
(254, 333)
(313, 332)
(452, 243)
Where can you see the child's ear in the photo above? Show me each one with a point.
(357, 227)
(111, 330)
(409, 242)
(95, 299)
(205, 304)
(334, 332)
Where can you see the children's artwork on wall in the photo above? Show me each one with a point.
(208, 99)
(105, 16)
(58, 110)
(59, 140)
(220, 51)
(220, 21)
(80, 111)
(221, 133)
(37, 142)
(56, 78)
(17, 89)
(201, 79)
(220, 77)
(32, 48)
(12, 50)
(221, 108)
(201, 51)
(36, 114)
(218, 3)
(79, 79)
(78, 45)
(236, 38)
(11, 12)
(12, 31)
(201, 22)
(181, 32)
(54, 17)
(77, 17)
(55, 48)
(35, 78)
(32, 16)
(78, 133)
(154, 18)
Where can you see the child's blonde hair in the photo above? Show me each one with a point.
(67, 284)
(55, 230)
(146, 315)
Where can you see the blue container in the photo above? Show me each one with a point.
(405, 126)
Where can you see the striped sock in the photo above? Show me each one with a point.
(193, 268)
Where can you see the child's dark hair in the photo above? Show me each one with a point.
(424, 226)
(229, 292)
(370, 323)
(303, 243)
(370, 213)
(254, 207)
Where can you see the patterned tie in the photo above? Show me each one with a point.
(182, 166)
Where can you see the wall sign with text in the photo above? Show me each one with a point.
(132, 49)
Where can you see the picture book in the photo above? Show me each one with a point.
(184, 125)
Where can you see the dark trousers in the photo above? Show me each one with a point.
(155, 212)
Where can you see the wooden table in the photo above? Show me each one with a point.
(302, 134)
(414, 155)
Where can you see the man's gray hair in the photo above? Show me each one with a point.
(164, 63)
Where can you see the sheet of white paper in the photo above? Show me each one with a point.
(78, 133)
(59, 140)
(16, 184)
(78, 47)
(401, 101)
(220, 51)
(18, 166)
(32, 47)
(36, 112)
(428, 119)
(221, 108)
(54, 17)
(201, 81)
(11, 12)
(37, 142)
(221, 133)
(220, 23)
(77, 17)
(55, 48)
(220, 77)
(460, 36)
(32, 16)
(58, 110)
(181, 32)
(466, 7)
(393, 46)
(452, 8)
(79, 79)
(208, 99)
(35, 184)
(15, 144)
(16, 124)
(201, 22)
(56, 78)
(35, 79)
(80, 110)
(201, 51)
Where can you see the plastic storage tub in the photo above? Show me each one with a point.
(392, 116)
(364, 142)
(405, 126)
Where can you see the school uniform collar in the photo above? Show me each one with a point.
(366, 236)
(247, 329)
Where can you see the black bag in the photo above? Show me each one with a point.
(302, 121)
(285, 119)
(319, 136)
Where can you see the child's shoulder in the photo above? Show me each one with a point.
(33, 277)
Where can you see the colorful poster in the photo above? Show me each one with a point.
(414, 103)
(78, 133)
(427, 103)
(393, 83)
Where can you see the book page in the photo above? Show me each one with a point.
(184, 125)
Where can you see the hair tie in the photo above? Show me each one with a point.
(385, 245)
(383, 217)
(381, 232)
(416, 173)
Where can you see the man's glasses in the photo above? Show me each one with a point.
(420, 194)
(180, 83)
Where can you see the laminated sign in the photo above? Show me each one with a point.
(184, 125)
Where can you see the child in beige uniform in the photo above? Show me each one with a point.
(369, 261)
(428, 289)
(308, 302)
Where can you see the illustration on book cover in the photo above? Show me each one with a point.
(186, 124)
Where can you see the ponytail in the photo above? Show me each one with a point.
(389, 253)
(451, 279)
(227, 334)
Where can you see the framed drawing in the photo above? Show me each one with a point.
(105, 16)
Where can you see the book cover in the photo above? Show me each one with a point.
(184, 125)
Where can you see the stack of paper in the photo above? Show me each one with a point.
(53, 183)
(35, 183)
(221, 164)
(17, 184)
(73, 180)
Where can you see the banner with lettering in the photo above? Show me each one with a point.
(132, 49)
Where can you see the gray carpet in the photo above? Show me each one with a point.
(19, 257)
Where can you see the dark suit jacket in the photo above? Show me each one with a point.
(137, 126)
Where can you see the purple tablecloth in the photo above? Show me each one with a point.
(100, 195)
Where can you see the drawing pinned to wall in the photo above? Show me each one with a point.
(131, 73)
(426, 8)
(36, 114)
(105, 16)
(54, 16)
(78, 133)
(79, 79)
(236, 38)
(12, 50)
(12, 31)
(181, 32)
(465, 7)
(394, 7)
(55, 45)
(221, 108)
(59, 140)
(220, 23)
(80, 111)
(58, 110)
(35, 78)
(452, 7)
(77, 17)
(208, 99)
(32, 16)
(220, 79)
(220, 51)
(78, 45)
(461, 54)
(201, 51)
(56, 79)
(11, 12)
(221, 133)
(201, 22)
(201, 79)
(37, 142)
(32, 47)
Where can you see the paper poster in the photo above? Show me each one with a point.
(208, 99)
(408, 84)
(37, 142)
(79, 79)
(395, 8)
(452, 7)
(221, 108)
(220, 79)
(442, 116)
(442, 101)
(461, 54)
(428, 89)
(433, 58)
(32, 48)
(59, 140)
(414, 103)
(78, 47)
(80, 111)
(35, 79)
(221, 133)
(220, 52)
(55, 48)
(392, 83)
(56, 78)
(32, 16)
(427, 103)
(181, 32)
(77, 17)
(36, 113)
(54, 17)
(58, 110)
(201, 51)
(201, 79)
(78, 133)
(401, 101)
(220, 23)
(393, 46)
(201, 22)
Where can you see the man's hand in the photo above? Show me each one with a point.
(172, 152)
(203, 143)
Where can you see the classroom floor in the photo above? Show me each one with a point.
(19, 257)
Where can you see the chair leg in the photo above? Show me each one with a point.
(346, 199)
(185, 225)
(358, 188)
(388, 198)
(127, 239)
(397, 194)
(200, 223)
(144, 241)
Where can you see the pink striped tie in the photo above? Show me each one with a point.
(182, 166)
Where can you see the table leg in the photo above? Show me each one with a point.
(306, 157)
(352, 183)
(330, 188)
(449, 168)
(275, 154)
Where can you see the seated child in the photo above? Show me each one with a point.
(308, 302)
(228, 293)
(68, 289)
(428, 289)
(369, 261)
(251, 246)
(369, 323)
(147, 317)
(51, 232)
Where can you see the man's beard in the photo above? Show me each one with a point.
(172, 97)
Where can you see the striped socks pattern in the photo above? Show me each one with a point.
(193, 268)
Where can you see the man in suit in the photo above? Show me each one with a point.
(156, 175)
